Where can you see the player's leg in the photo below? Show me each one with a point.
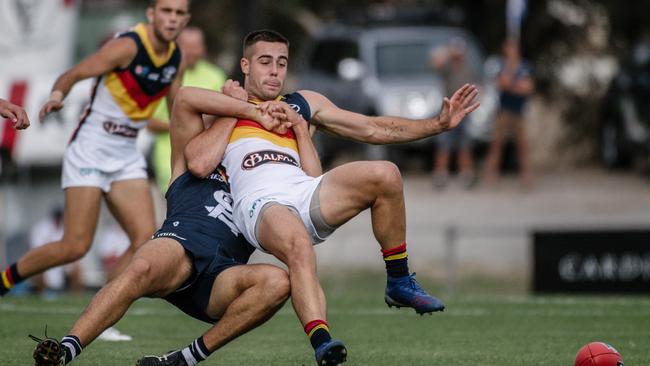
(523, 152)
(131, 204)
(347, 190)
(80, 220)
(148, 274)
(282, 233)
(493, 159)
(441, 167)
(351, 188)
(74, 274)
(466, 170)
(242, 298)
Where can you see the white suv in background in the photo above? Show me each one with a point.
(386, 70)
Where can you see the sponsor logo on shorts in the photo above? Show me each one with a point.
(295, 107)
(120, 130)
(255, 159)
(169, 235)
(84, 172)
(257, 203)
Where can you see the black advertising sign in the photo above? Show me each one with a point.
(592, 261)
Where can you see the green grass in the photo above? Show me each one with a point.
(480, 327)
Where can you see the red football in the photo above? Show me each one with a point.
(598, 354)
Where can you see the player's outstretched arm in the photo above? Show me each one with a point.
(387, 130)
(115, 53)
(16, 114)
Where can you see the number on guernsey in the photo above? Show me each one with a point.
(223, 210)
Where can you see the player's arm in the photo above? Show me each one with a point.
(387, 130)
(204, 152)
(230, 88)
(309, 160)
(16, 114)
(115, 53)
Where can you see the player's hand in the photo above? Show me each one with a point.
(272, 116)
(50, 106)
(288, 117)
(460, 105)
(232, 89)
(16, 114)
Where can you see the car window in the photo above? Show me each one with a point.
(391, 56)
(391, 59)
(328, 53)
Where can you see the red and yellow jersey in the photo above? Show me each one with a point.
(126, 97)
(256, 158)
(137, 89)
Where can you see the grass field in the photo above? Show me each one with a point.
(482, 326)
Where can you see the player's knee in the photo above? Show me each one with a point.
(388, 176)
(300, 251)
(74, 250)
(138, 270)
(276, 281)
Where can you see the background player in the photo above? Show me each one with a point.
(134, 71)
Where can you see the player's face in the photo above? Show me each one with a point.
(168, 18)
(265, 68)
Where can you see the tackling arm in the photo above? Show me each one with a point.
(309, 160)
(198, 150)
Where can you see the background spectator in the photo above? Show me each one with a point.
(515, 84)
(451, 62)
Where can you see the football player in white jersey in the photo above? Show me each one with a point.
(133, 72)
(282, 210)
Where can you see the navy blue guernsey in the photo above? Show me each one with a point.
(298, 103)
(199, 216)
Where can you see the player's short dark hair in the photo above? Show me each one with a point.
(152, 3)
(264, 35)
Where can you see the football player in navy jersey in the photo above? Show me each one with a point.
(196, 260)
